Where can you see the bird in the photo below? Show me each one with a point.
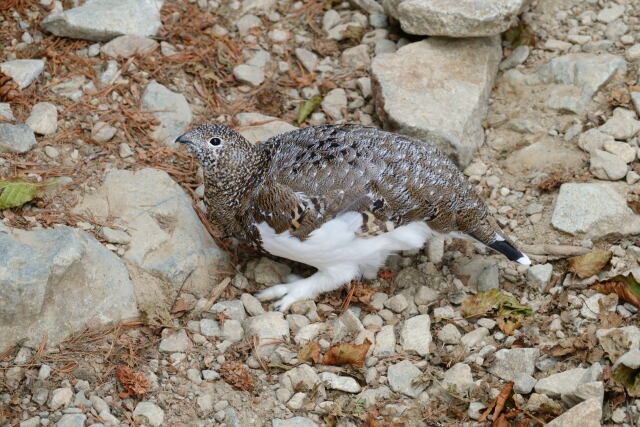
(340, 198)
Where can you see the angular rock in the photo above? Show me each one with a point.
(5, 112)
(209, 328)
(523, 383)
(546, 155)
(303, 374)
(232, 330)
(129, 45)
(233, 309)
(268, 127)
(458, 377)
(593, 140)
(43, 119)
(586, 414)
(566, 382)
(539, 275)
(373, 395)
(622, 150)
(385, 342)
(102, 132)
(415, 336)
(596, 209)
(415, 88)
(449, 334)
(170, 108)
(607, 166)
(509, 363)
(72, 420)
(248, 74)
(401, 377)
(42, 270)
(60, 398)
(461, 18)
(175, 342)
(149, 413)
(251, 305)
(267, 327)
(23, 71)
(102, 20)
(336, 382)
(474, 338)
(309, 333)
(585, 391)
(169, 248)
(308, 59)
(517, 57)
(71, 88)
(357, 57)
(334, 103)
(293, 422)
(16, 138)
(622, 125)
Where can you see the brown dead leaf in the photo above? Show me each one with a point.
(347, 354)
(589, 264)
(237, 375)
(134, 383)
(498, 404)
(626, 287)
(554, 181)
(310, 353)
(619, 96)
(509, 323)
(634, 205)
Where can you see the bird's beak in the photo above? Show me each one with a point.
(183, 139)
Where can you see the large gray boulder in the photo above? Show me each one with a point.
(102, 20)
(437, 90)
(55, 282)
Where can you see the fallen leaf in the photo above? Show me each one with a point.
(589, 264)
(134, 383)
(17, 193)
(353, 32)
(634, 205)
(307, 109)
(343, 354)
(629, 378)
(509, 323)
(509, 312)
(237, 375)
(627, 288)
(498, 404)
(309, 353)
(619, 96)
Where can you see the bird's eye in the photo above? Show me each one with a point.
(215, 141)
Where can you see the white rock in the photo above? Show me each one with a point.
(102, 20)
(633, 53)
(248, 74)
(356, 58)
(5, 112)
(593, 140)
(72, 420)
(124, 151)
(175, 342)
(414, 86)
(170, 108)
(102, 132)
(23, 71)
(474, 338)
(458, 377)
(509, 363)
(334, 103)
(557, 45)
(71, 88)
(129, 45)
(385, 345)
(342, 383)
(232, 330)
(308, 59)
(115, 236)
(539, 275)
(401, 376)
(251, 305)
(622, 150)
(449, 334)
(43, 119)
(309, 333)
(397, 303)
(149, 413)
(232, 309)
(16, 138)
(267, 327)
(611, 13)
(60, 398)
(293, 422)
(617, 341)
(566, 382)
(247, 22)
(302, 374)
(623, 125)
(370, 6)
(523, 383)
(415, 336)
(517, 57)
(330, 19)
(586, 414)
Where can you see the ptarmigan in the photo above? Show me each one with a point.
(340, 198)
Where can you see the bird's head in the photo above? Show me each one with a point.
(216, 145)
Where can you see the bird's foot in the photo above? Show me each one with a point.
(288, 294)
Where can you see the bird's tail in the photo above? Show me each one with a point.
(506, 248)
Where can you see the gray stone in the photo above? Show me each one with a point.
(270, 272)
(630, 359)
(60, 398)
(43, 119)
(70, 88)
(336, 382)
(414, 86)
(42, 270)
(586, 414)
(511, 362)
(585, 391)
(523, 383)
(129, 45)
(118, 237)
(517, 57)
(566, 382)
(170, 108)
(425, 295)
(482, 274)
(357, 57)
(475, 410)
(23, 71)
(610, 14)
(247, 22)
(449, 334)
(545, 155)
(232, 330)
(149, 412)
(31, 422)
(334, 103)
(539, 275)
(474, 338)
(267, 327)
(401, 377)
(309, 333)
(415, 336)
(397, 303)
(268, 127)
(308, 59)
(385, 345)
(5, 112)
(248, 74)
(209, 328)
(370, 6)
(462, 18)
(233, 309)
(251, 305)
(622, 125)
(261, 5)
(16, 138)
(607, 166)
(635, 99)
(293, 422)
(170, 248)
(622, 150)
(435, 249)
(102, 20)
(302, 374)
(373, 395)
(260, 58)
(109, 72)
(175, 342)
(72, 420)
(458, 378)
(593, 140)
(596, 209)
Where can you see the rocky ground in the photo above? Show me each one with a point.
(117, 306)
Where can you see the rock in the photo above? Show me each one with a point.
(596, 209)
(622, 150)
(43, 119)
(23, 71)
(271, 126)
(129, 45)
(633, 54)
(373, 395)
(60, 398)
(71, 88)
(449, 334)
(150, 413)
(31, 422)
(72, 420)
(591, 306)
(170, 108)
(334, 103)
(260, 58)
(175, 342)
(270, 272)
(585, 391)
(370, 6)
(630, 360)
(336, 382)
(251, 305)
(109, 72)
(124, 151)
(385, 345)
(539, 275)
(232, 330)
(586, 414)
(357, 57)
(270, 326)
(418, 103)
(475, 410)
(102, 20)
(480, 274)
(415, 336)
(425, 295)
(5, 112)
(401, 377)
(233, 309)
(102, 132)
(293, 422)
(303, 375)
(170, 248)
(308, 59)
(209, 328)
(435, 249)
(117, 237)
(546, 155)
(16, 138)
(517, 57)
(397, 303)
(474, 338)
(611, 13)
(263, 5)
(247, 22)
(463, 18)
(617, 341)
(607, 166)
(593, 140)
(566, 382)
(42, 270)
(622, 125)
(511, 362)
(458, 377)
(248, 74)
(523, 383)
